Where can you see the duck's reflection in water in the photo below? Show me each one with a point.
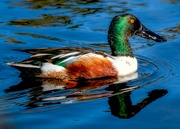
(121, 104)
(43, 92)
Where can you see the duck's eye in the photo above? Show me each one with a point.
(132, 21)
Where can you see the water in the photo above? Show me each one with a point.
(151, 101)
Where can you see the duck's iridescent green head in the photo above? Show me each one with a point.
(124, 26)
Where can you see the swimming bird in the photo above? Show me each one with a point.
(71, 63)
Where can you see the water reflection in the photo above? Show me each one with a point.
(121, 104)
(173, 1)
(174, 31)
(41, 4)
(70, 9)
(41, 93)
(44, 20)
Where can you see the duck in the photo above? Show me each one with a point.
(73, 63)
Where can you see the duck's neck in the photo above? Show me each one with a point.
(118, 41)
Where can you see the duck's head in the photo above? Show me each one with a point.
(124, 26)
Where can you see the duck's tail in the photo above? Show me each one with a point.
(27, 70)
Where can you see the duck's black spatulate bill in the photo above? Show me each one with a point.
(148, 34)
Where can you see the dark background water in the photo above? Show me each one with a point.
(148, 102)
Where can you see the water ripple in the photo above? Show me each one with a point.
(153, 71)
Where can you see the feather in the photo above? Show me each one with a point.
(65, 55)
(22, 65)
(41, 54)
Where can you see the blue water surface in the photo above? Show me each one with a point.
(149, 102)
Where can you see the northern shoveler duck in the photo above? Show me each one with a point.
(83, 63)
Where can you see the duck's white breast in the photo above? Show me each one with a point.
(125, 65)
